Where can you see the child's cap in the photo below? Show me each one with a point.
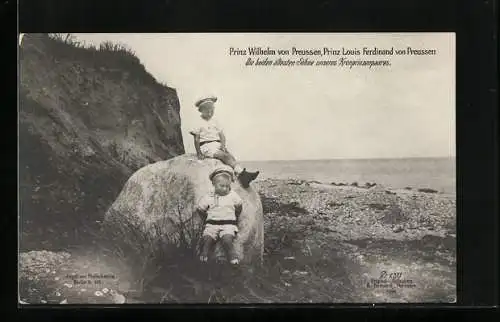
(221, 170)
(200, 102)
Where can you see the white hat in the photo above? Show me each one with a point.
(201, 101)
(221, 170)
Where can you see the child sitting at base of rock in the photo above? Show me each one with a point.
(220, 209)
(210, 142)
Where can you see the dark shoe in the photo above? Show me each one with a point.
(254, 175)
(246, 177)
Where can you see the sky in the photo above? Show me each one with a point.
(309, 112)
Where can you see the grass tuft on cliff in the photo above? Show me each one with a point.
(108, 54)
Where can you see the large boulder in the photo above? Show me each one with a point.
(158, 202)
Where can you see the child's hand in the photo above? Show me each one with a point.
(201, 156)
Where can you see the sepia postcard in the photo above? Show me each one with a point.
(237, 168)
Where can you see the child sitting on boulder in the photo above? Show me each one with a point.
(210, 142)
(221, 210)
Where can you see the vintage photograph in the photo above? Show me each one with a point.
(224, 168)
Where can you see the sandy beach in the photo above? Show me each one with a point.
(377, 231)
(324, 243)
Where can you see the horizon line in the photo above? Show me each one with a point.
(353, 158)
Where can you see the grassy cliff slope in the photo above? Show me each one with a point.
(88, 118)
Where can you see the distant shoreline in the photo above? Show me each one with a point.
(352, 159)
(356, 185)
(416, 173)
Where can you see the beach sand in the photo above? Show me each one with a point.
(324, 243)
(397, 245)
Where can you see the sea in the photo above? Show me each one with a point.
(433, 173)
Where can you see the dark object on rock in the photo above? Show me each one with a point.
(354, 184)
(377, 206)
(246, 177)
(427, 190)
(408, 188)
(390, 192)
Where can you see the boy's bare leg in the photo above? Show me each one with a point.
(207, 244)
(227, 158)
(227, 243)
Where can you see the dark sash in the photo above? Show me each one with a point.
(221, 222)
(205, 142)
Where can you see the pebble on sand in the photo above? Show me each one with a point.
(427, 190)
(119, 299)
(300, 273)
(398, 229)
